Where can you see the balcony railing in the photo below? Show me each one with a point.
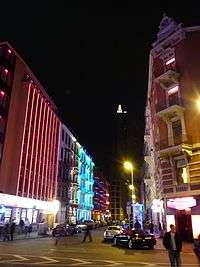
(182, 187)
(173, 141)
(172, 101)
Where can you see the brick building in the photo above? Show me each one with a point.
(172, 134)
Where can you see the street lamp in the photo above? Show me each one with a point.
(129, 166)
(198, 103)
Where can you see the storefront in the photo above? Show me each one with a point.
(185, 214)
(17, 208)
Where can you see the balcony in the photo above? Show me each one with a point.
(168, 79)
(173, 145)
(173, 108)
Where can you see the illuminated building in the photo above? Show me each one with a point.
(68, 176)
(85, 182)
(101, 198)
(172, 134)
(29, 136)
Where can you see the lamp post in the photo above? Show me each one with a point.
(129, 166)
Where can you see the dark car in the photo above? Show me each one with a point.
(135, 239)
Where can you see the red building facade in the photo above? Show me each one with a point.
(29, 138)
(172, 136)
(101, 198)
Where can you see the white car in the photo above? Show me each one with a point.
(111, 231)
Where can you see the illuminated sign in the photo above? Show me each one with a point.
(181, 203)
(29, 203)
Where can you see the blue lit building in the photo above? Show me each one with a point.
(85, 181)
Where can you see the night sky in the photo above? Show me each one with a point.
(90, 59)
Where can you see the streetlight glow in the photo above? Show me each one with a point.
(198, 103)
(131, 187)
(128, 165)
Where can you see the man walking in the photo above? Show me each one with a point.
(88, 233)
(172, 242)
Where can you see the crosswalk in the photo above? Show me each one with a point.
(26, 260)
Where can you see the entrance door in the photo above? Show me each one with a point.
(184, 224)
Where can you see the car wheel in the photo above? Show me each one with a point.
(130, 244)
(115, 241)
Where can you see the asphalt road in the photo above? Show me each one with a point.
(71, 252)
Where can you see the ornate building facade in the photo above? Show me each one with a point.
(172, 134)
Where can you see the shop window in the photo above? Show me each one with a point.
(8, 214)
(23, 214)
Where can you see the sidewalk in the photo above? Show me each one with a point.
(187, 247)
(33, 235)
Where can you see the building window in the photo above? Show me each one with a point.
(63, 135)
(66, 138)
(62, 153)
(177, 132)
(173, 96)
(170, 64)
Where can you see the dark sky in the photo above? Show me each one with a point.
(90, 59)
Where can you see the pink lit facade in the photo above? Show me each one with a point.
(172, 132)
(29, 141)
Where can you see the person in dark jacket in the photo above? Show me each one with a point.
(173, 243)
(6, 232)
(12, 229)
(88, 233)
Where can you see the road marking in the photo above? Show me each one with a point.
(80, 262)
(47, 261)
(113, 263)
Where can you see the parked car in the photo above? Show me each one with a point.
(135, 239)
(112, 231)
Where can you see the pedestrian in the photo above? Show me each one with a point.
(173, 243)
(151, 227)
(137, 225)
(88, 233)
(12, 229)
(26, 227)
(197, 248)
(59, 233)
(21, 225)
(6, 232)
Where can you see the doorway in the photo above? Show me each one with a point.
(184, 224)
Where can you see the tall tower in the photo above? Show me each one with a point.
(119, 192)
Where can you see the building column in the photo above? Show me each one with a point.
(184, 133)
(170, 133)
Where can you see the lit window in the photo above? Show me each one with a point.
(9, 51)
(173, 90)
(2, 93)
(170, 61)
(6, 71)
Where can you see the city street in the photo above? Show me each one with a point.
(71, 252)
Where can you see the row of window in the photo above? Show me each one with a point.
(7, 53)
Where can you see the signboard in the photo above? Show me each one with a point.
(181, 203)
